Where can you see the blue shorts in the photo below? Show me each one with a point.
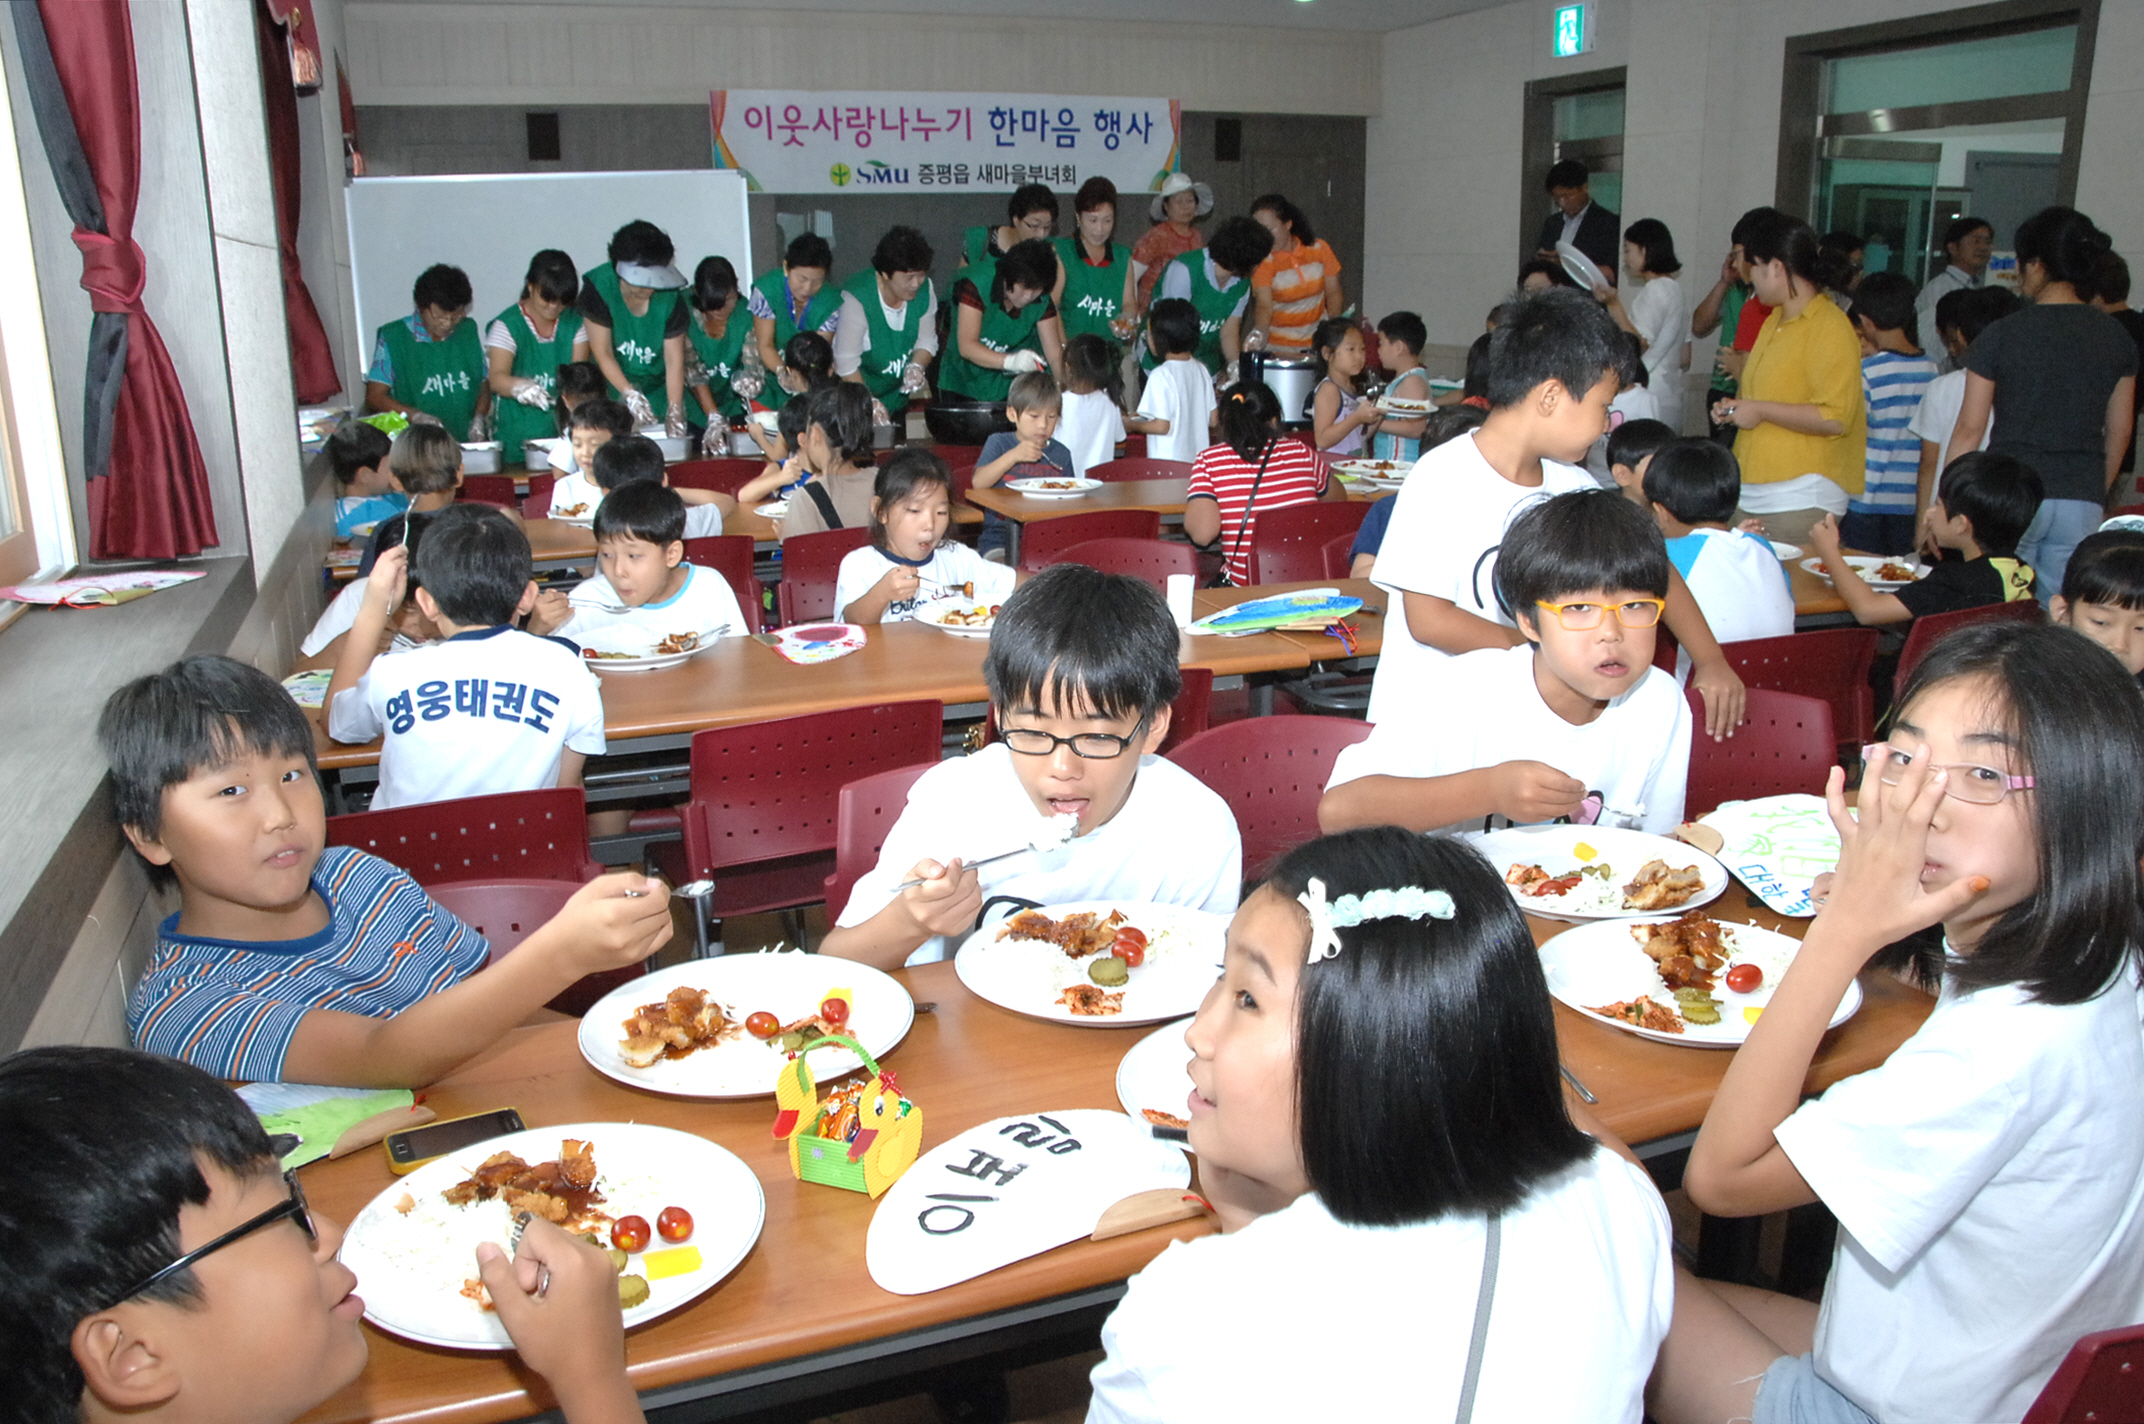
(1793, 1393)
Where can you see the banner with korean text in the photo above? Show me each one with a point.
(801, 141)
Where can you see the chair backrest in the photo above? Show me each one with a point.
(1929, 629)
(1784, 744)
(1044, 541)
(1148, 559)
(1288, 545)
(1143, 467)
(809, 563)
(724, 476)
(1271, 772)
(2102, 1378)
(490, 489)
(537, 503)
(863, 813)
(517, 835)
(1831, 663)
(1338, 554)
(963, 481)
(730, 555)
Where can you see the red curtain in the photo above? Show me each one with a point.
(312, 355)
(152, 501)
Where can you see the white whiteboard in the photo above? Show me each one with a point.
(491, 224)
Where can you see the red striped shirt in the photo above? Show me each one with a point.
(1293, 476)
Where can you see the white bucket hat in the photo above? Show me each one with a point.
(1181, 183)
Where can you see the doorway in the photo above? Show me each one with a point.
(1571, 116)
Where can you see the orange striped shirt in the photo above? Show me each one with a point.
(1298, 282)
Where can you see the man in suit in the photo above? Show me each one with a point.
(1577, 220)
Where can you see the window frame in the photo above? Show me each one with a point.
(41, 543)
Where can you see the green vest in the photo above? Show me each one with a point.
(440, 378)
(975, 246)
(886, 348)
(1002, 331)
(636, 342)
(537, 360)
(774, 286)
(1214, 305)
(721, 358)
(1093, 295)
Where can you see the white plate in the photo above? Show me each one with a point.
(1026, 975)
(1553, 848)
(1787, 552)
(790, 986)
(413, 1289)
(1581, 268)
(1153, 1074)
(1602, 964)
(623, 640)
(1386, 472)
(1400, 405)
(1866, 566)
(934, 615)
(1045, 487)
(774, 510)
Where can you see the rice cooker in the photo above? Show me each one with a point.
(1293, 380)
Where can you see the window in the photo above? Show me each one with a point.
(36, 526)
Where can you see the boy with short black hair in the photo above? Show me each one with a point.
(430, 365)
(642, 580)
(1960, 317)
(1574, 722)
(2103, 595)
(426, 464)
(1895, 373)
(1630, 446)
(1983, 505)
(260, 1322)
(1081, 669)
(292, 959)
(1030, 450)
(1176, 408)
(364, 487)
(1691, 487)
(488, 708)
(1400, 339)
(592, 425)
(631, 458)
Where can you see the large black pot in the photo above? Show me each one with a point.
(964, 422)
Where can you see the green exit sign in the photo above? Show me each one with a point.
(1573, 33)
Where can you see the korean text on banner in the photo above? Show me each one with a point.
(799, 141)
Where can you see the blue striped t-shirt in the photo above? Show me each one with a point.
(231, 1007)
(1891, 387)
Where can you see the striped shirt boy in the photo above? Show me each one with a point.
(232, 1007)
(1891, 387)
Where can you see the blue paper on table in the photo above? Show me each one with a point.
(1315, 606)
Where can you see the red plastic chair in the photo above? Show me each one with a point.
(518, 835)
(1044, 541)
(730, 555)
(1338, 554)
(490, 489)
(506, 912)
(1288, 544)
(2100, 1381)
(537, 504)
(863, 815)
(1929, 629)
(1148, 559)
(1271, 771)
(1828, 663)
(809, 563)
(1190, 714)
(963, 481)
(724, 476)
(1142, 467)
(1784, 744)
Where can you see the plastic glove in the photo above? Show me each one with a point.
(879, 415)
(1022, 362)
(636, 403)
(1256, 341)
(715, 439)
(480, 426)
(912, 378)
(424, 417)
(748, 383)
(533, 393)
(674, 422)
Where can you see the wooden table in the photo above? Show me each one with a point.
(1164, 497)
(803, 1302)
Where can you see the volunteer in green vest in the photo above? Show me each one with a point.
(792, 298)
(1216, 279)
(1094, 275)
(527, 343)
(633, 309)
(1004, 323)
(718, 332)
(429, 365)
(888, 328)
(1030, 212)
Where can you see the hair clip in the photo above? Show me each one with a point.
(1409, 902)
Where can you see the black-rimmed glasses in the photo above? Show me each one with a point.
(1094, 746)
(294, 1207)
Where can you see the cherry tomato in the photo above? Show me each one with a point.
(835, 1011)
(674, 1224)
(1133, 935)
(1133, 954)
(629, 1234)
(762, 1024)
(1742, 978)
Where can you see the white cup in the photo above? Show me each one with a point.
(1180, 599)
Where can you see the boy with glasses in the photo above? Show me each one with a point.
(1574, 724)
(1082, 669)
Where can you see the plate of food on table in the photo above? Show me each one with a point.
(1690, 980)
(676, 1213)
(1876, 571)
(630, 649)
(1097, 963)
(1153, 1080)
(723, 1028)
(1402, 406)
(1377, 474)
(1052, 487)
(1568, 872)
(956, 611)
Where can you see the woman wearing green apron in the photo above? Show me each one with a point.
(634, 313)
(429, 365)
(1094, 275)
(1004, 323)
(790, 299)
(1216, 279)
(1031, 212)
(888, 328)
(527, 343)
(717, 334)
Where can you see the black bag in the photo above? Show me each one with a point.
(1250, 515)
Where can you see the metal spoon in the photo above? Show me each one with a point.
(690, 890)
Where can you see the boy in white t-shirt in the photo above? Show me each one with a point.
(1692, 486)
(1176, 408)
(1577, 723)
(1961, 316)
(632, 458)
(642, 581)
(1082, 669)
(1092, 413)
(487, 709)
(591, 425)
(1555, 361)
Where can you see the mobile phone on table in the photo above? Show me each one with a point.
(413, 1147)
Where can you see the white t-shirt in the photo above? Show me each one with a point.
(1447, 523)
(706, 605)
(1938, 413)
(477, 714)
(1989, 1184)
(1089, 427)
(339, 617)
(702, 521)
(1174, 843)
(1180, 392)
(950, 566)
(1637, 403)
(1661, 312)
(1739, 584)
(1302, 1317)
(1488, 710)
